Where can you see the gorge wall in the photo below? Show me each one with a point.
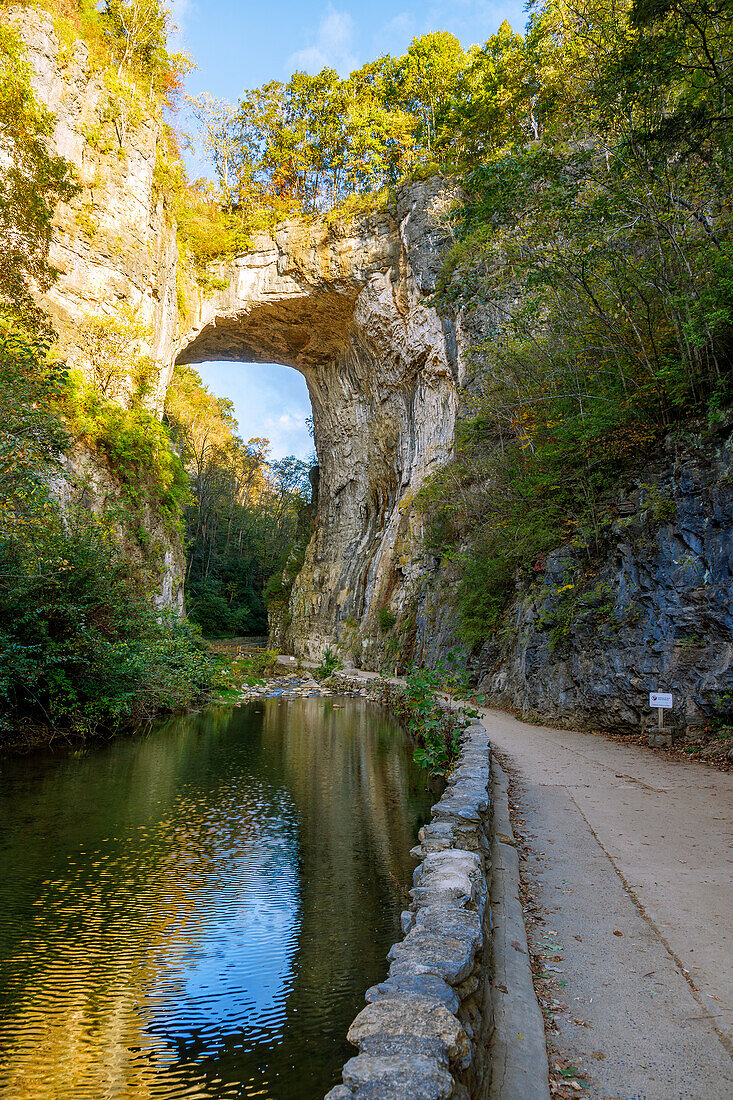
(344, 302)
(348, 304)
(115, 252)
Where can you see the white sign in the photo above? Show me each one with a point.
(661, 699)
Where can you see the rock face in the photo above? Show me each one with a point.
(113, 247)
(347, 306)
(116, 254)
(657, 614)
(348, 303)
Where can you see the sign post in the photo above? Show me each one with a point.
(662, 700)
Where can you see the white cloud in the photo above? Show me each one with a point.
(333, 46)
(288, 422)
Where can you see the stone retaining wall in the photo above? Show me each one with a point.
(425, 1031)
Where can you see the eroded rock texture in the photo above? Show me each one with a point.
(657, 614)
(347, 305)
(116, 254)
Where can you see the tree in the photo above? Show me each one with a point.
(136, 31)
(112, 351)
(221, 140)
(244, 513)
(426, 79)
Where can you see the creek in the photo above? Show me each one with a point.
(197, 911)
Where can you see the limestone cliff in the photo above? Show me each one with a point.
(657, 615)
(116, 254)
(347, 304)
(344, 302)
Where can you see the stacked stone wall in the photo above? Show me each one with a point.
(426, 1029)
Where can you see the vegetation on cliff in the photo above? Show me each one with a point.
(592, 250)
(598, 221)
(593, 247)
(82, 645)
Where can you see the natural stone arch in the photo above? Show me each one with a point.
(344, 301)
(347, 305)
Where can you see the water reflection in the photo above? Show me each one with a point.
(197, 913)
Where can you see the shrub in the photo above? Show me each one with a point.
(433, 728)
(81, 645)
(386, 620)
(330, 662)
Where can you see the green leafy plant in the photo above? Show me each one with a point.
(434, 728)
(330, 663)
(386, 620)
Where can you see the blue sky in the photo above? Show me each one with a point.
(237, 45)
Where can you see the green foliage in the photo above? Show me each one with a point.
(386, 620)
(32, 436)
(597, 225)
(562, 609)
(434, 728)
(246, 520)
(137, 448)
(33, 180)
(81, 644)
(249, 671)
(330, 663)
(319, 142)
(427, 705)
(206, 231)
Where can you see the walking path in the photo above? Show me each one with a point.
(629, 858)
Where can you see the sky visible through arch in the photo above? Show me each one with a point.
(237, 45)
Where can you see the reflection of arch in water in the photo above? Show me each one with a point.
(118, 904)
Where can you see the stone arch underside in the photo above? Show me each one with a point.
(350, 310)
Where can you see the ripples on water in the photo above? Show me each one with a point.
(197, 912)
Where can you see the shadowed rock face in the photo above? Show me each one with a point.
(347, 306)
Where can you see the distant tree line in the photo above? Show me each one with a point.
(243, 512)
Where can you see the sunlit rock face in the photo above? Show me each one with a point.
(115, 252)
(348, 306)
(114, 247)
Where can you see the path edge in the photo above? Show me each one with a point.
(519, 1065)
